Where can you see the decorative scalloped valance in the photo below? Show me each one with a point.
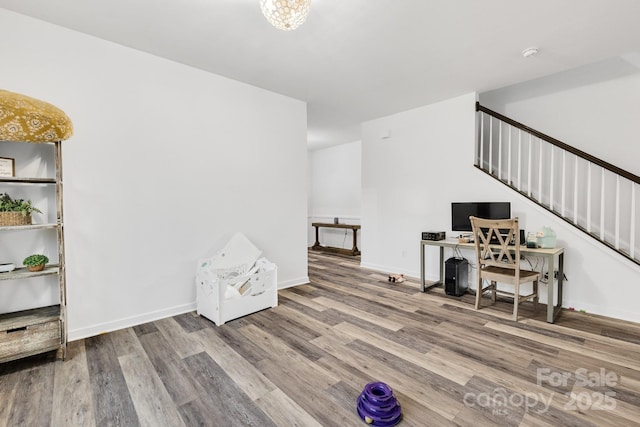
(28, 119)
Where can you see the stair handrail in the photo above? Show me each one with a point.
(606, 165)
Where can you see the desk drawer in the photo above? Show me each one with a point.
(28, 340)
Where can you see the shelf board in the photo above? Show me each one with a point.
(28, 227)
(34, 316)
(23, 273)
(25, 180)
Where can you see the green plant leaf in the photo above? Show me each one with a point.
(35, 259)
(7, 204)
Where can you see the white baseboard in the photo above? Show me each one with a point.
(385, 269)
(294, 282)
(90, 331)
(127, 322)
(629, 316)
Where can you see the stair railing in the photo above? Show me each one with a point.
(591, 194)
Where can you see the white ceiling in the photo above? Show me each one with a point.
(355, 60)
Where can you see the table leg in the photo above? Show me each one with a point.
(560, 283)
(550, 290)
(355, 250)
(442, 265)
(422, 283)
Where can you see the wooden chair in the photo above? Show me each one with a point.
(499, 262)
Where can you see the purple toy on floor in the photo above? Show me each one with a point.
(378, 406)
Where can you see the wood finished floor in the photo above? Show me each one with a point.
(305, 362)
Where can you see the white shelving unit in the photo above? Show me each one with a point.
(37, 329)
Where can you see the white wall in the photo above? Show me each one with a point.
(335, 177)
(166, 163)
(432, 150)
(410, 179)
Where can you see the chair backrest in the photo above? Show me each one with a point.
(492, 239)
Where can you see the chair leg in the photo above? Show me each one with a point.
(516, 300)
(494, 289)
(478, 293)
(536, 298)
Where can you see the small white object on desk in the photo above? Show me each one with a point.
(7, 267)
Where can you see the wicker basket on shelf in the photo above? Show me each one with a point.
(14, 218)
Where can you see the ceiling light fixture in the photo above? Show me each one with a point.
(529, 52)
(285, 14)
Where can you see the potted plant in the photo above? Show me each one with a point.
(15, 211)
(35, 262)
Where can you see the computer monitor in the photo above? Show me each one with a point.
(460, 213)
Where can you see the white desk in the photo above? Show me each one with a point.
(548, 254)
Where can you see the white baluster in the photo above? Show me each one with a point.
(632, 238)
(602, 204)
(540, 161)
(481, 140)
(589, 197)
(520, 159)
(564, 173)
(575, 191)
(552, 173)
(529, 168)
(491, 144)
(510, 181)
(617, 216)
(500, 150)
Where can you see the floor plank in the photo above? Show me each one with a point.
(170, 368)
(244, 374)
(284, 411)
(152, 402)
(33, 400)
(111, 399)
(72, 390)
(231, 404)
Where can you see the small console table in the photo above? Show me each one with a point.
(353, 251)
(548, 254)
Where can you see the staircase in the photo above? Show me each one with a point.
(595, 196)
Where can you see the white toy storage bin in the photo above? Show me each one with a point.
(230, 293)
